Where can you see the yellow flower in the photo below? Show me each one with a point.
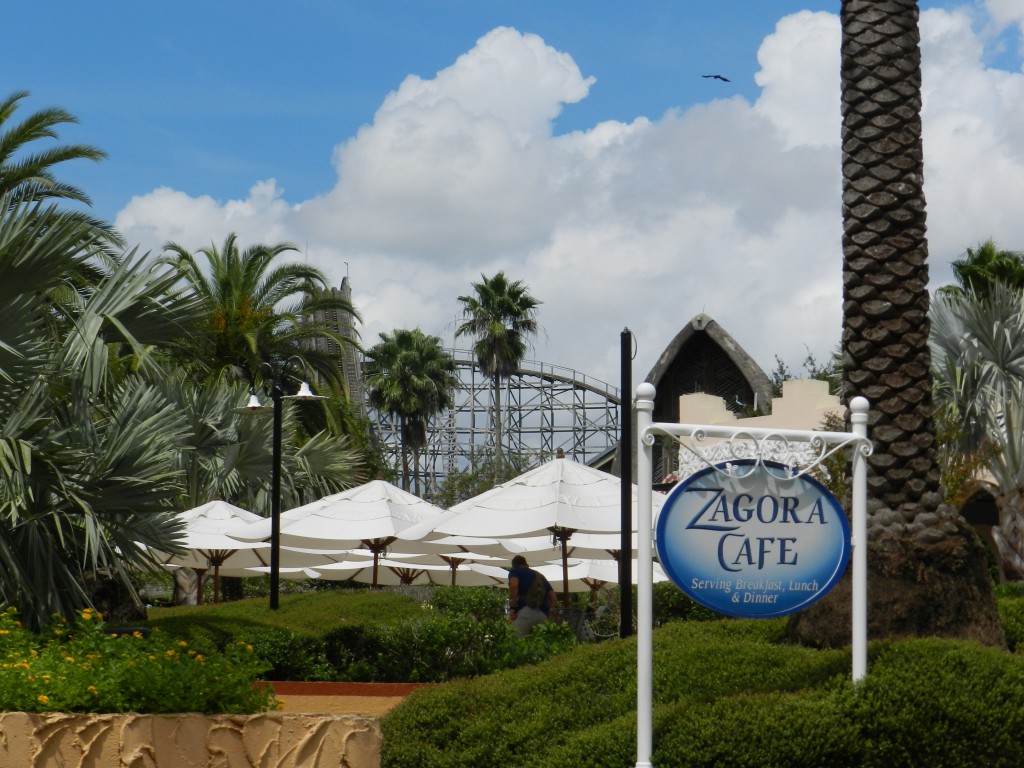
(43, 699)
(92, 689)
(171, 652)
(69, 659)
(5, 631)
(137, 635)
(182, 644)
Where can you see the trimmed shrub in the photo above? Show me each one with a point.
(726, 693)
(1011, 612)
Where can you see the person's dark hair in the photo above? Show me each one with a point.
(518, 561)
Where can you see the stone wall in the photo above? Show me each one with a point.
(269, 740)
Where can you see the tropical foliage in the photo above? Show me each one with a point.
(501, 318)
(978, 347)
(259, 314)
(410, 376)
(88, 450)
(104, 430)
(980, 268)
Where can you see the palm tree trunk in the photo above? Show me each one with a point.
(497, 419)
(1009, 534)
(416, 470)
(405, 455)
(919, 547)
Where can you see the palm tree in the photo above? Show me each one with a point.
(87, 458)
(500, 316)
(927, 566)
(31, 174)
(258, 312)
(981, 267)
(410, 376)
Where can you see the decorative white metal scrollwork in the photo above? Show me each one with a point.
(797, 454)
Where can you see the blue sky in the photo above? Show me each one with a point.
(206, 97)
(414, 146)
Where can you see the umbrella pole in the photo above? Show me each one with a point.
(216, 584)
(199, 584)
(565, 575)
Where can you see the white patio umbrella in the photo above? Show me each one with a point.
(208, 545)
(390, 572)
(581, 574)
(455, 560)
(559, 498)
(372, 516)
(581, 544)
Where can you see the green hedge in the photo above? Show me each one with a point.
(462, 632)
(726, 693)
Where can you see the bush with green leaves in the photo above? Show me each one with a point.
(726, 693)
(1011, 612)
(473, 602)
(437, 647)
(86, 667)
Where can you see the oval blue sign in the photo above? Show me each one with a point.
(747, 539)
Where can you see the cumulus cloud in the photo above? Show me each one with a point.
(729, 207)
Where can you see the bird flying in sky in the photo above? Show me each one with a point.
(718, 77)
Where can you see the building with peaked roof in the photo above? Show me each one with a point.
(704, 359)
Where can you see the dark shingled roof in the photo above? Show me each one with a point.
(703, 357)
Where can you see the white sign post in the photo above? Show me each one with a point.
(751, 508)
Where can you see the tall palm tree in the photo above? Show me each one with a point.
(410, 376)
(979, 268)
(258, 311)
(927, 565)
(501, 317)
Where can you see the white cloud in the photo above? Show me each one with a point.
(802, 103)
(729, 208)
(1006, 12)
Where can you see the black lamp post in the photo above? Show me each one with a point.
(276, 395)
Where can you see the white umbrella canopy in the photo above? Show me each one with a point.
(560, 498)
(389, 572)
(585, 575)
(580, 545)
(208, 545)
(455, 560)
(374, 511)
(561, 493)
(373, 516)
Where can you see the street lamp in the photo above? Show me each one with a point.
(254, 407)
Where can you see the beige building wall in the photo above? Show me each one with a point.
(804, 405)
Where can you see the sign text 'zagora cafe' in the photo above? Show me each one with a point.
(749, 539)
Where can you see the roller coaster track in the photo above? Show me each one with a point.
(545, 407)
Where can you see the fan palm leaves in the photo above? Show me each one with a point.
(88, 465)
(978, 347)
(410, 376)
(258, 311)
(501, 317)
